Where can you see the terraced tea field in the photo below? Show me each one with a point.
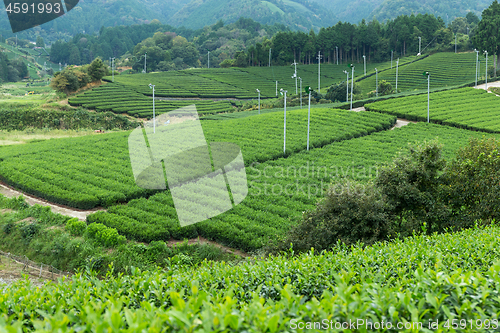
(122, 99)
(466, 108)
(446, 69)
(242, 83)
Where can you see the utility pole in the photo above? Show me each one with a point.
(455, 43)
(364, 60)
(308, 117)
(284, 126)
(477, 60)
(152, 86)
(113, 71)
(486, 73)
(337, 52)
(392, 52)
(295, 76)
(419, 45)
(428, 92)
(259, 98)
(397, 68)
(300, 93)
(376, 82)
(208, 59)
(347, 86)
(352, 83)
(276, 88)
(319, 68)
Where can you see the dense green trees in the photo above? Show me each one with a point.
(73, 78)
(487, 37)
(189, 49)
(12, 70)
(40, 42)
(349, 42)
(344, 41)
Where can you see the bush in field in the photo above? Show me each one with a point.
(350, 212)
(338, 93)
(473, 181)
(104, 235)
(76, 227)
(385, 88)
(406, 193)
(411, 186)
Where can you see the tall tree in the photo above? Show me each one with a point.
(39, 41)
(487, 35)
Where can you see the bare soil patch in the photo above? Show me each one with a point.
(28, 220)
(68, 211)
(402, 122)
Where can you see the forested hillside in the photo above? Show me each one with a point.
(297, 14)
(178, 48)
(448, 10)
(11, 70)
(302, 15)
(249, 43)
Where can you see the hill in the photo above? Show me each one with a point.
(297, 14)
(447, 9)
(91, 15)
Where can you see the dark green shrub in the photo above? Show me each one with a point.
(411, 183)
(350, 212)
(385, 88)
(338, 93)
(28, 231)
(405, 195)
(473, 181)
(9, 227)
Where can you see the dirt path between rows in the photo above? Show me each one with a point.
(490, 84)
(400, 122)
(9, 192)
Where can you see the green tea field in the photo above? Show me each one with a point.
(446, 69)
(469, 108)
(100, 166)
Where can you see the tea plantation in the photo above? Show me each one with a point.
(421, 283)
(280, 190)
(99, 167)
(452, 108)
(446, 69)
